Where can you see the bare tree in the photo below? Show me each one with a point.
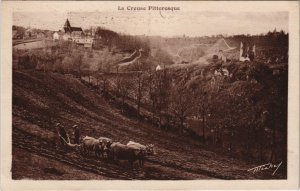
(151, 93)
(124, 87)
(160, 94)
(79, 65)
(140, 84)
(202, 108)
(104, 80)
(181, 104)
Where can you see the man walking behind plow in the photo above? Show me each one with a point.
(63, 137)
(76, 134)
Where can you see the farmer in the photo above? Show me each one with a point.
(76, 134)
(62, 132)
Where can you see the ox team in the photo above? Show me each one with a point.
(105, 147)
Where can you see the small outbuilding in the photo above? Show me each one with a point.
(158, 67)
(55, 36)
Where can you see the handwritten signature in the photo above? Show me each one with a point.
(265, 167)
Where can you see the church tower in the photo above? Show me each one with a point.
(67, 26)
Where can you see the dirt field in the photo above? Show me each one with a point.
(42, 99)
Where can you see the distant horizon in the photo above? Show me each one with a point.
(178, 24)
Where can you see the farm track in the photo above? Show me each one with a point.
(102, 167)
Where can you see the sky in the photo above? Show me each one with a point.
(162, 23)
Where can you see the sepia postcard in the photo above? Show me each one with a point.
(183, 95)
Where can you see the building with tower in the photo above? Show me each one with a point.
(77, 35)
(72, 33)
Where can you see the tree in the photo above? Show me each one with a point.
(107, 36)
(104, 80)
(20, 31)
(202, 108)
(151, 93)
(182, 104)
(140, 84)
(78, 64)
(67, 63)
(125, 86)
(160, 94)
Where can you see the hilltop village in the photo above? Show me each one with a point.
(67, 33)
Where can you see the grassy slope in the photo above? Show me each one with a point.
(42, 99)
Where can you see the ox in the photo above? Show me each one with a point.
(120, 151)
(148, 149)
(107, 143)
(90, 144)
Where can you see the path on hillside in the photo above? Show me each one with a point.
(16, 42)
(131, 60)
(220, 44)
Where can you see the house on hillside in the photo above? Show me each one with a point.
(56, 35)
(66, 37)
(73, 32)
(86, 42)
(77, 35)
(158, 68)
